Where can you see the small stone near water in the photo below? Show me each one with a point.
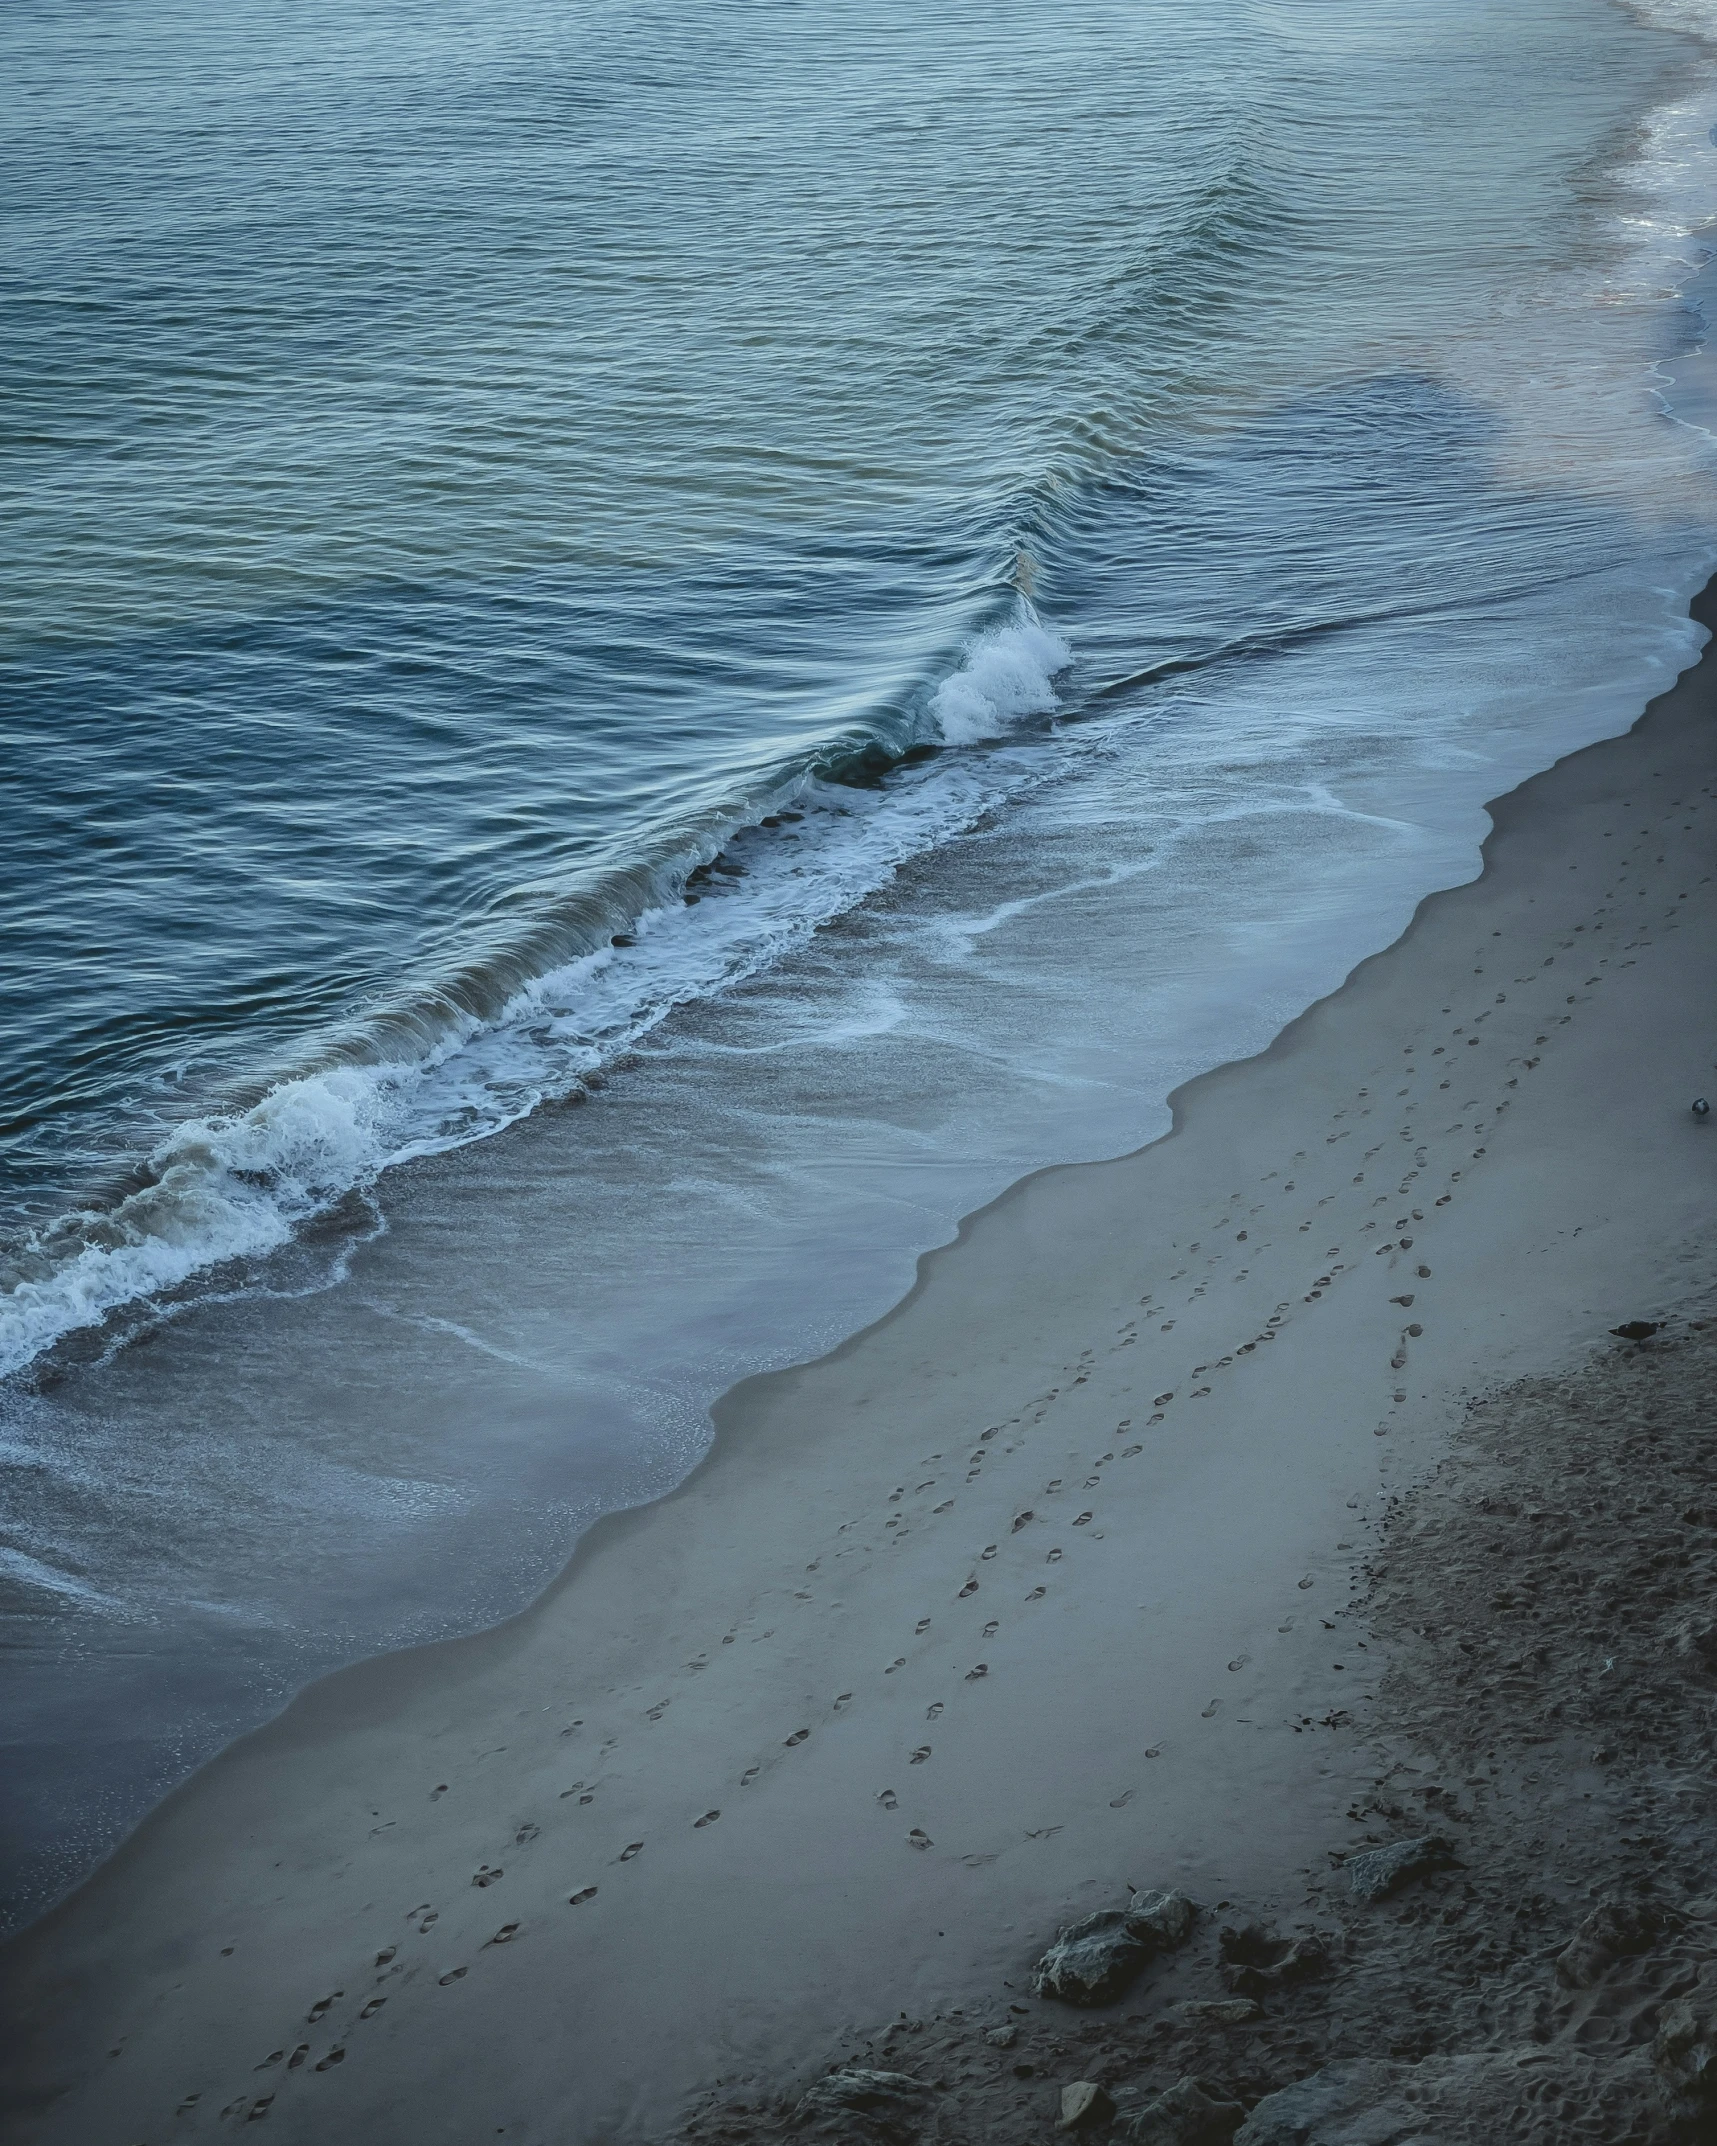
(1092, 1961)
(882, 2106)
(1084, 2102)
(1378, 1871)
(1191, 2113)
(1222, 2011)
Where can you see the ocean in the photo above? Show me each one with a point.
(650, 650)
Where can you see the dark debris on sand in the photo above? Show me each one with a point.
(1543, 1965)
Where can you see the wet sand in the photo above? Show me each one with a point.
(1050, 1583)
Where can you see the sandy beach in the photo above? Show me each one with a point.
(1073, 1574)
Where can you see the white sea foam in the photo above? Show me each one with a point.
(1008, 672)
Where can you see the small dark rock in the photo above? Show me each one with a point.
(1378, 1871)
(1191, 2113)
(1083, 2105)
(1221, 2011)
(886, 2107)
(1094, 1960)
(1333, 2104)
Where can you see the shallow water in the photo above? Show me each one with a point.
(473, 471)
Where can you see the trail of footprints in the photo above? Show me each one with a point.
(1412, 1123)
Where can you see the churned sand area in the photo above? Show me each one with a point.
(1038, 1589)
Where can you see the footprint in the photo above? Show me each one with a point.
(375, 2004)
(923, 1625)
(981, 1669)
(1306, 1582)
(798, 1737)
(297, 2057)
(383, 1957)
(629, 1851)
(1127, 1452)
(438, 1791)
(575, 1900)
(919, 1756)
(708, 1819)
(970, 1588)
(889, 1800)
(503, 1936)
(274, 2057)
(320, 2008)
(453, 1974)
(1210, 1710)
(486, 1874)
(1037, 1594)
(899, 1662)
(946, 1506)
(843, 1698)
(919, 1838)
(990, 1552)
(931, 1712)
(749, 1775)
(1082, 1520)
(1240, 1661)
(1020, 1520)
(524, 1834)
(1154, 1751)
(1054, 1558)
(1120, 1802)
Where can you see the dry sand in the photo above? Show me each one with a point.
(1054, 1581)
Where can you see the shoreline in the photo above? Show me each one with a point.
(1019, 1379)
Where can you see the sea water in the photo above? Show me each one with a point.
(647, 650)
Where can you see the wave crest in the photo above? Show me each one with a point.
(1009, 672)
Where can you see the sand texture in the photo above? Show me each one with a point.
(1077, 1573)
